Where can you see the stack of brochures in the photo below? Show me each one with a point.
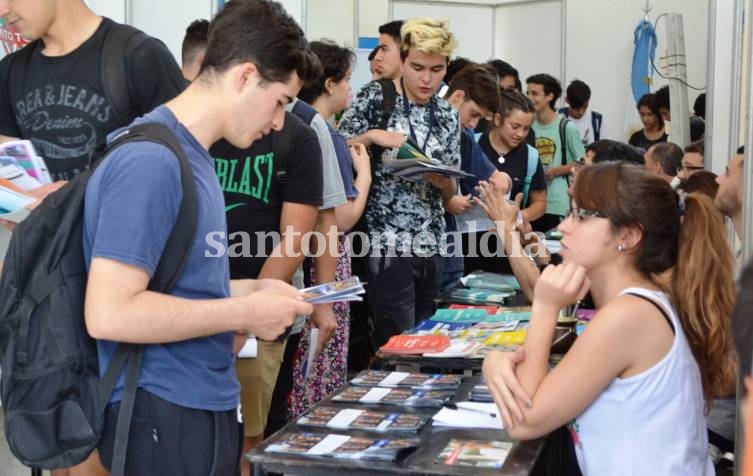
(411, 164)
(378, 378)
(409, 397)
(343, 446)
(360, 419)
(21, 170)
(347, 290)
(494, 281)
(475, 453)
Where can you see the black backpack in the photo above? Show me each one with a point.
(52, 395)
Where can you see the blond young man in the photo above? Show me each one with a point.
(405, 268)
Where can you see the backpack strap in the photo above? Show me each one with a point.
(596, 121)
(304, 111)
(114, 76)
(281, 141)
(389, 100)
(533, 158)
(563, 139)
(171, 264)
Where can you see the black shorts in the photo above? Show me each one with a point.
(170, 439)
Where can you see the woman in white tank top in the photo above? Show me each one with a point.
(630, 388)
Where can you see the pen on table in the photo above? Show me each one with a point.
(454, 406)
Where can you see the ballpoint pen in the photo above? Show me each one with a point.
(454, 406)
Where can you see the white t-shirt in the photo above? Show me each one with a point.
(650, 423)
(585, 127)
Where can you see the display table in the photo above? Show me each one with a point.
(422, 461)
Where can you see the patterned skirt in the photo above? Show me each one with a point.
(329, 370)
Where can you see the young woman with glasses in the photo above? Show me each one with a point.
(633, 385)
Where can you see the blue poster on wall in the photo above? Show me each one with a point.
(220, 4)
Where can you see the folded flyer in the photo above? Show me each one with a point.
(408, 397)
(378, 378)
(342, 446)
(360, 419)
(346, 290)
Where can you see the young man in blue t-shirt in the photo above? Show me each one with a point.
(185, 413)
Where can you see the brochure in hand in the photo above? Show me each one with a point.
(343, 446)
(378, 378)
(22, 154)
(13, 202)
(408, 397)
(475, 453)
(357, 419)
(347, 290)
(410, 163)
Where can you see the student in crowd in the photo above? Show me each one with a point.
(329, 94)
(664, 160)
(692, 160)
(453, 67)
(373, 65)
(729, 197)
(590, 123)
(606, 150)
(188, 394)
(405, 274)
(657, 347)
(319, 269)
(473, 92)
(194, 48)
(62, 68)
(558, 147)
(388, 63)
(702, 182)
(505, 148)
(508, 75)
(696, 122)
(269, 188)
(653, 124)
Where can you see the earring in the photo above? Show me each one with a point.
(620, 247)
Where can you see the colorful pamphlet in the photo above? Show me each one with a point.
(501, 341)
(342, 446)
(346, 290)
(404, 344)
(22, 153)
(458, 348)
(378, 378)
(411, 164)
(480, 296)
(359, 419)
(471, 316)
(408, 397)
(493, 281)
(475, 453)
(430, 327)
(488, 309)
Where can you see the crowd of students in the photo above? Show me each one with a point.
(644, 389)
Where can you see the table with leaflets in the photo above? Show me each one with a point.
(487, 312)
(382, 424)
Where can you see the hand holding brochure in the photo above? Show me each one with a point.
(347, 290)
(411, 164)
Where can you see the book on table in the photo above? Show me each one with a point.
(340, 446)
(489, 309)
(480, 296)
(409, 397)
(360, 419)
(379, 378)
(405, 344)
(475, 453)
(488, 280)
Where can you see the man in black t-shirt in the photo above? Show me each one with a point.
(52, 93)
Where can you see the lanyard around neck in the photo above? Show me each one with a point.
(406, 109)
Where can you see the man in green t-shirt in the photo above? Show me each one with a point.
(556, 157)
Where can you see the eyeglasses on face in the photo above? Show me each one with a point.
(578, 214)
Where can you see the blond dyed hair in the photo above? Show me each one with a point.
(427, 35)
